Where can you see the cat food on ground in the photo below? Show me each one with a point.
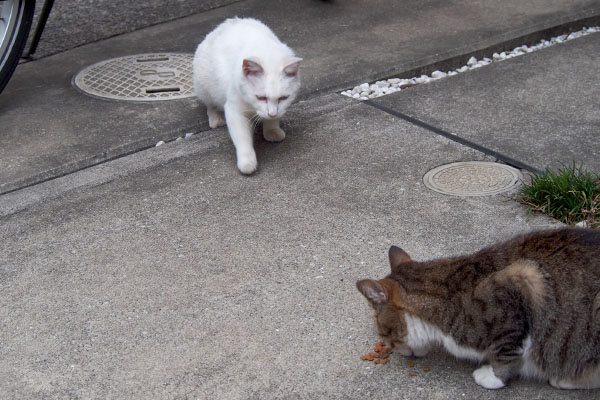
(385, 352)
(379, 355)
(426, 369)
(369, 357)
(411, 364)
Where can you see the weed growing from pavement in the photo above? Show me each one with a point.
(570, 195)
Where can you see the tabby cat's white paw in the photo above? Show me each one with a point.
(485, 377)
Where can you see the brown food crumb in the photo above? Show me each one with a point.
(426, 369)
(379, 354)
(385, 352)
(411, 364)
(382, 361)
(368, 357)
(379, 346)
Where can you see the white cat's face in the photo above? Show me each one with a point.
(271, 88)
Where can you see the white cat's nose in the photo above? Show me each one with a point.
(271, 110)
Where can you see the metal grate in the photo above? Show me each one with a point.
(142, 77)
(473, 178)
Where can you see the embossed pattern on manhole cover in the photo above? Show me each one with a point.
(472, 178)
(141, 77)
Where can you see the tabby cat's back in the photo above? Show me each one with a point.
(529, 305)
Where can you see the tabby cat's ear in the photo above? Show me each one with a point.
(397, 257)
(373, 291)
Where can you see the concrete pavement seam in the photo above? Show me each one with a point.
(502, 157)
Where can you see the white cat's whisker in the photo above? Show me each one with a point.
(254, 122)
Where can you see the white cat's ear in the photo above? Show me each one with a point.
(373, 291)
(292, 65)
(397, 257)
(251, 66)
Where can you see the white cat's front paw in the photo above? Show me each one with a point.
(274, 134)
(485, 377)
(247, 164)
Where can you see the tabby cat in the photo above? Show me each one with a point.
(529, 306)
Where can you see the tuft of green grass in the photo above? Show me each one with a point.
(570, 194)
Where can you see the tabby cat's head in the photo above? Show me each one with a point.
(386, 297)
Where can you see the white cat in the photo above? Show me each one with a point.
(241, 72)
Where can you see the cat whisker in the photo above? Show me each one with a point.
(254, 122)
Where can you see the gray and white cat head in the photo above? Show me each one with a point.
(269, 86)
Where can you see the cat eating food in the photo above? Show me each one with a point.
(529, 306)
(243, 73)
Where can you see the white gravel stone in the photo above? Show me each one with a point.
(367, 90)
(472, 61)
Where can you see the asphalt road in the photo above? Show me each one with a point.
(73, 23)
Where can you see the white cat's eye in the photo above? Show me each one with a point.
(283, 98)
(262, 98)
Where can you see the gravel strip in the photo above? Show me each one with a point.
(368, 91)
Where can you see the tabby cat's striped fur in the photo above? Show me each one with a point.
(529, 306)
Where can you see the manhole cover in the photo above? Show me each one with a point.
(142, 77)
(473, 178)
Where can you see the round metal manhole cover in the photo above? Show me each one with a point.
(473, 178)
(142, 77)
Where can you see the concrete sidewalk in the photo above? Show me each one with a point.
(167, 274)
(533, 112)
(50, 129)
(186, 279)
